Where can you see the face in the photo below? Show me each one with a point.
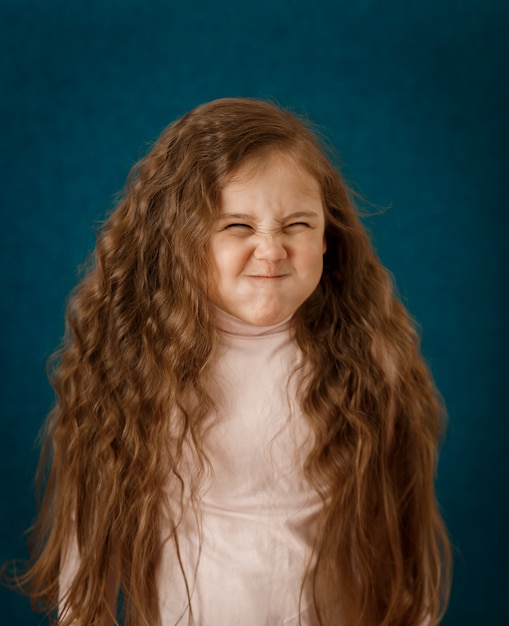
(268, 242)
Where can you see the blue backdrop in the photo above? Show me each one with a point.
(414, 94)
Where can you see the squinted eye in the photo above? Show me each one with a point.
(296, 225)
(239, 227)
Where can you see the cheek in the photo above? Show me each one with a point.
(318, 267)
(218, 281)
(215, 267)
(312, 262)
(227, 261)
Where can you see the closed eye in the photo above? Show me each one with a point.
(240, 227)
(296, 225)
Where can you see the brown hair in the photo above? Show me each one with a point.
(140, 338)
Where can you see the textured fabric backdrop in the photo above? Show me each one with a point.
(413, 94)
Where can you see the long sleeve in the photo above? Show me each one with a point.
(69, 570)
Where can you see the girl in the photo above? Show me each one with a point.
(245, 432)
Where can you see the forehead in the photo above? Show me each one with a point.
(275, 173)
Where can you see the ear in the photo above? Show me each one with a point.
(324, 244)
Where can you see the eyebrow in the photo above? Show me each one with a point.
(291, 216)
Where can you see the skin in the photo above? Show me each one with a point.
(268, 244)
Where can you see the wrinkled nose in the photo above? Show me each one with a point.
(270, 249)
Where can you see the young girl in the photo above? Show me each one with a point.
(245, 432)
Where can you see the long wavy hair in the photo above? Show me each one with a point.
(138, 348)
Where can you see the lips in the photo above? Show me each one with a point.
(267, 276)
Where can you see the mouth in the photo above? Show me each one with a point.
(267, 276)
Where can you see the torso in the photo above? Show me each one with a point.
(256, 510)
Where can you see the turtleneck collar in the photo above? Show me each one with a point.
(232, 325)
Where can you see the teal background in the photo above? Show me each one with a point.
(414, 94)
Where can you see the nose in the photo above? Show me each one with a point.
(270, 248)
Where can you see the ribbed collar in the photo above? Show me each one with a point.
(232, 325)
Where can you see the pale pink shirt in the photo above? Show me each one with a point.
(258, 513)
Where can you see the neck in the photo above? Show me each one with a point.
(232, 325)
